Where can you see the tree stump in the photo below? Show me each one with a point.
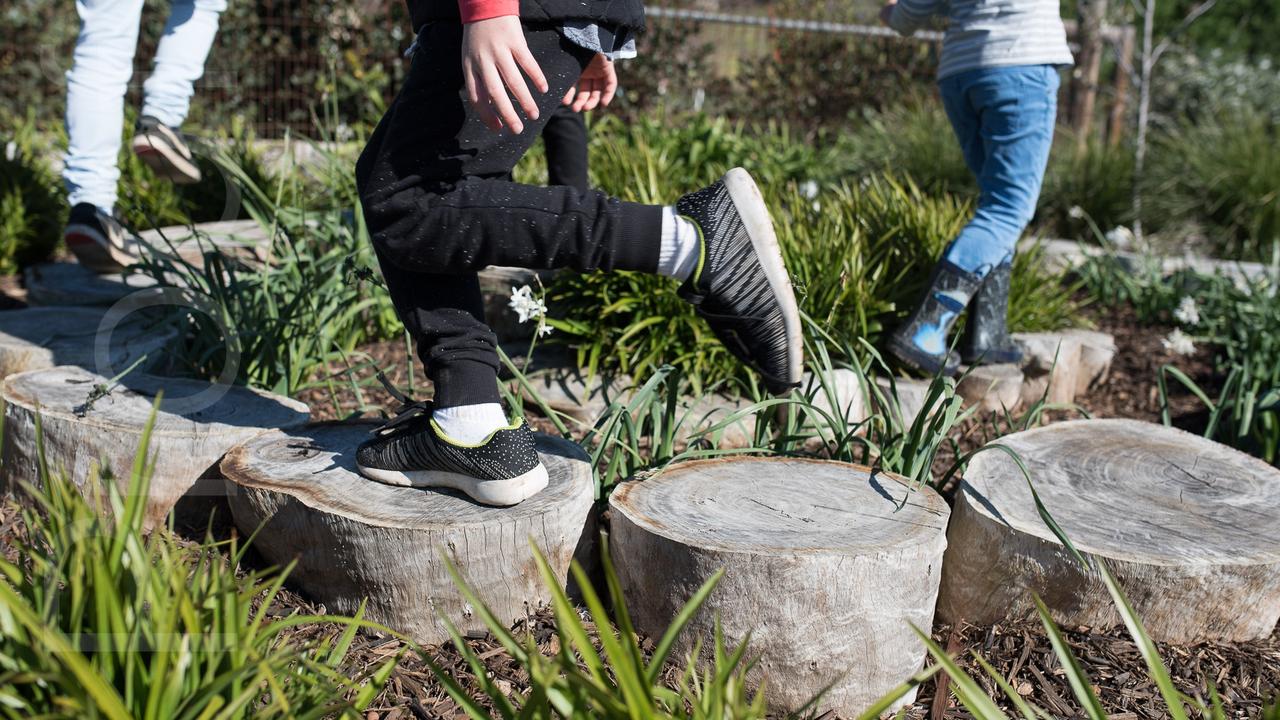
(86, 432)
(993, 388)
(245, 240)
(355, 539)
(1190, 528)
(1051, 365)
(69, 283)
(821, 569)
(38, 338)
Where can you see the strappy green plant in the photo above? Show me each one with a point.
(99, 620)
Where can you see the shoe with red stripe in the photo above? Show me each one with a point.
(98, 240)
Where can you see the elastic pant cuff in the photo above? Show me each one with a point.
(464, 382)
(640, 239)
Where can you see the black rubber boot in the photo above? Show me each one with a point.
(921, 342)
(986, 338)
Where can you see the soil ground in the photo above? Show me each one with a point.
(1247, 675)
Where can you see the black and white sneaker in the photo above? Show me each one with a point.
(740, 285)
(163, 149)
(98, 240)
(411, 451)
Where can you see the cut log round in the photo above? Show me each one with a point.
(39, 338)
(355, 539)
(69, 283)
(1050, 361)
(1190, 528)
(992, 388)
(821, 569)
(85, 430)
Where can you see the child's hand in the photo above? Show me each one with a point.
(494, 52)
(596, 86)
(886, 12)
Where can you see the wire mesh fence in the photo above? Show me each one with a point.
(278, 65)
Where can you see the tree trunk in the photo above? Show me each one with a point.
(87, 432)
(1084, 92)
(821, 569)
(40, 338)
(355, 539)
(1190, 528)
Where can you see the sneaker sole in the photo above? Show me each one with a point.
(165, 161)
(751, 208)
(502, 493)
(94, 251)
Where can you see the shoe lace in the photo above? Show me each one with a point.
(407, 410)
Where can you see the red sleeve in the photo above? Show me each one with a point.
(476, 10)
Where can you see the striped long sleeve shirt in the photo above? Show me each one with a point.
(989, 33)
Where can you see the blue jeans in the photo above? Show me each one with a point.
(99, 77)
(1004, 119)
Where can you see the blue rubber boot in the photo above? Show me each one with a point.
(921, 342)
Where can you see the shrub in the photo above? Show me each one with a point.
(1202, 87)
(32, 207)
(914, 139)
(1224, 174)
(1093, 177)
(98, 620)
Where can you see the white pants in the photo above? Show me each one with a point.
(99, 78)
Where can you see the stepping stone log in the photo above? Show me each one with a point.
(40, 338)
(86, 432)
(992, 388)
(1190, 529)
(355, 539)
(69, 283)
(821, 569)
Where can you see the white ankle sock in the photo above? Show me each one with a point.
(470, 424)
(680, 249)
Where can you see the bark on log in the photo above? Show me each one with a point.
(355, 539)
(196, 424)
(820, 569)
(1190, 528)
(40, 338)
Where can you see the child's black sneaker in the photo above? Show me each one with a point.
(740, 285)
(411, 451)
(98, 240)
(165, 151)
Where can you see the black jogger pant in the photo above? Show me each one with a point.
(565, 138)
(434, 183)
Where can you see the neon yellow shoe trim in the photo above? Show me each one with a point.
(515, 425)
(702, 251)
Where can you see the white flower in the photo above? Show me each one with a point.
(526, 306)
(544, 330)
(1076, 212)
(1179, 343)
(1188, 313)
(10, 150)
(809, 189)
(1120, 237)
